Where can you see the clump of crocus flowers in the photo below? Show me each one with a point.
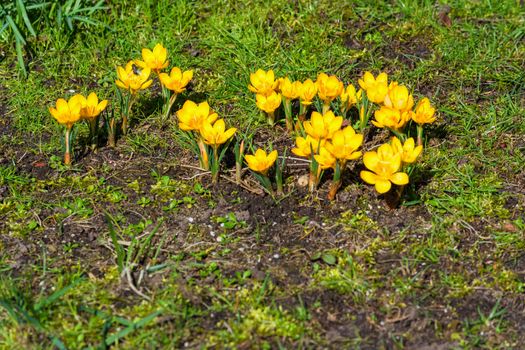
(132, 78)
(333, 136)
(392, 162)
(135, 76)
(205, 133)
(328, 146)
(77, 108)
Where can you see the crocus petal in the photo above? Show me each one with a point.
(382, 78)
(219, 126)
(383, 186)
(120, 84)
(146, 84)
(251, 160)
(212, 118)
(396, 144)
(409, 144)
(187, 76)
(54, 112)
(92, 99)
(228, 133)
(260, 154)
(203, 109)
(355, 155)
(147, 55)
(121, 73)
(369, 177)
(62, 105)
(395, 163)
(399, 178)
(102, 105)
(355, 141)
(272, 157)
(417, 151)
(164, 78)
(370, 159)
(160, 52)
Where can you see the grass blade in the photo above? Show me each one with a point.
(105, 315)
(20, 57)
(136, 325)
(19, 37)
(56, 295)
(118, 248)
(22, 10)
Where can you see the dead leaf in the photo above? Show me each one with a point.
(443, 17)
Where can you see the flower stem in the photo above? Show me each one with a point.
(398, 134)
(302, 110)
(312, 182)
(112, 132)
(93, 133)
(170, 104)
(126, 115)
(326, 107)
(419, 135)
(271, 118)
(337, 181)
(67, 154)
(315, 177)
(393, 198)
(288, 114)
(205, 163)
(364, 113)
(215, 170)
(267, 184)
(334, 187)
(344, 109)
(239, 156)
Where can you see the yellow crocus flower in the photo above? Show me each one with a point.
(155, 60)
(192, 116)
(325, 159)
(132, 78)
(384, 165)
(305, 146)
(399, 98)
(91, 107)
(177, 80)
(290, 90)
(329, 87)
(424, 113)
(215, 135)
(308, 92)
(322, 126)
(344, 144)
(391, 118)
(268, 103)
(376, 88)
(349, 97)
(67, 112)
(262, 82)
(261, 162)
(408, 151)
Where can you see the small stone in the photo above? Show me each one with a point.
(302, 181)
(243, 215)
